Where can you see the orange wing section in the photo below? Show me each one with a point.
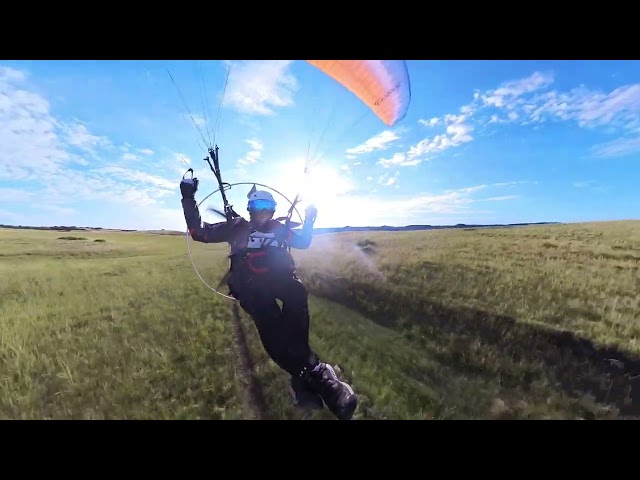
(383, 85)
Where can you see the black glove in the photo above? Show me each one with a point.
(188, 187)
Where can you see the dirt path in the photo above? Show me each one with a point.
(254, 399)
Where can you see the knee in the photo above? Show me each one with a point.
(297, 302)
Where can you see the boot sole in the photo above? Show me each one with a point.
(307, 406)
(347, 414)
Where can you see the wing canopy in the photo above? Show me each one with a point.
(383, 85)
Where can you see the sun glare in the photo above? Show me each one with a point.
(327, 187)
(323, 186)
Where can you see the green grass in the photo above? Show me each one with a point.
(528, 322)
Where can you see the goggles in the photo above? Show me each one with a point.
(262, 205)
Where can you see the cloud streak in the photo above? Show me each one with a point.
(524, 102)
(529, 101)
(424, 207)
(457, 132)
(63, 161)
(257, 87)
(389, 180)
(380, 141)
(253, 155)
(591, 185)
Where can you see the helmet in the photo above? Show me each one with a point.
(261, 200)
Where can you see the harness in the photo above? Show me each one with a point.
(263, 244)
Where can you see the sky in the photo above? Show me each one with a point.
(105, 143)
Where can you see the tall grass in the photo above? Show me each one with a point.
(529, 322)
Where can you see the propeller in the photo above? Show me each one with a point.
(219, 212)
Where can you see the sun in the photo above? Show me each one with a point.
(323, 185)
(329, 188)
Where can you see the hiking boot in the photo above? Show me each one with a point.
(338, 396)
(303, 397)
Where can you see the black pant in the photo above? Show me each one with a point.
(284, 333)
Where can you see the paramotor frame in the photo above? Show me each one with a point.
(228, 186)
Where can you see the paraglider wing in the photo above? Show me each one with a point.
(383, 85)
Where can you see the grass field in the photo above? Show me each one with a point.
(528, 322)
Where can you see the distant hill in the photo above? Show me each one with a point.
(383, 228)
(386, 228)
(65, 228)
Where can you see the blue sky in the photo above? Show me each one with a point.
(105, 143)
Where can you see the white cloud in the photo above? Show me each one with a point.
(592, 185)
(502, 198)
(29, 135)
(583, 184)
(458, 201)
(378, 142)
(510, 91)
(414, 207)
(374, 209)
(9, 75)
(457, 131)
(138, 177)
(254, 154)
(78, 135)
(348, 167)
(388, 180)
(520, 182)
(48, 153)
(618, 147)
(430, 123)
(522, 101)
(357, 208)
(199, 120)
(470, 189)
(59, 211)
(8, 194)
(7, 217)
(256, 87)
(398, 159)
